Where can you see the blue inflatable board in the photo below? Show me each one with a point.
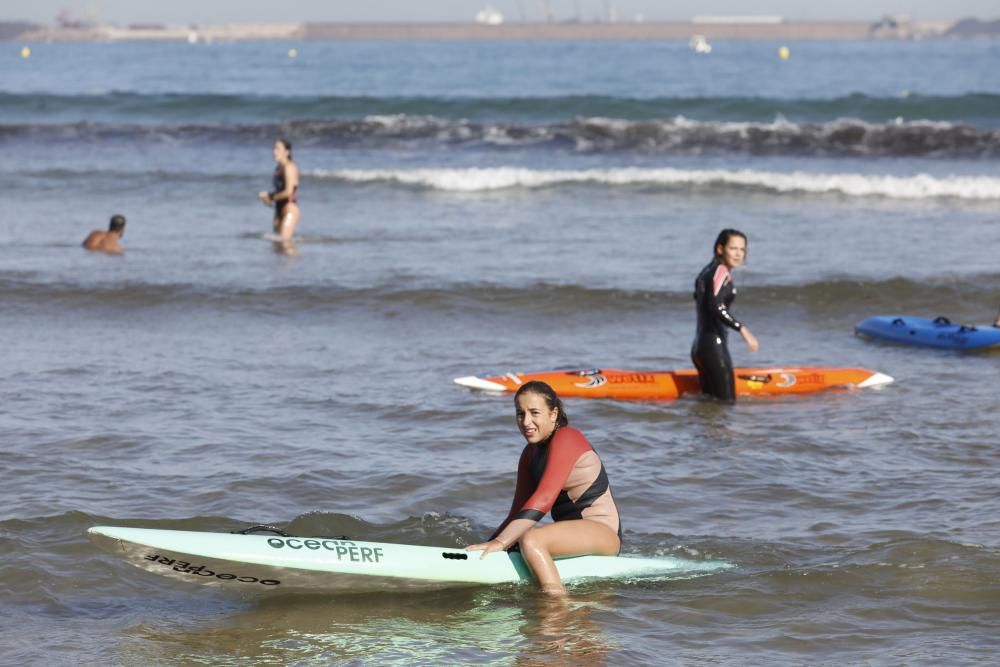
(939, 332)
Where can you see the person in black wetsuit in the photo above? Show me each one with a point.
(714, 292)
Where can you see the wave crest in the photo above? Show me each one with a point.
(921, 186)
(678, 135)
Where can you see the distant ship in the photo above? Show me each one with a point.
(489, 16)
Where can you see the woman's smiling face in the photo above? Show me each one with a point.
(535, 419)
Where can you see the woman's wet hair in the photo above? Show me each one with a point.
(288, 146)
(723, 238)
(549, 394)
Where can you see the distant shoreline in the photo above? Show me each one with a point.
(886, 28)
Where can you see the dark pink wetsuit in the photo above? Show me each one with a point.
(566, 477)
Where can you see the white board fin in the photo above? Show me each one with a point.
(877, 379)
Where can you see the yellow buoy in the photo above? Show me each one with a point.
(25, 52)
(292, 53)
(783, 53)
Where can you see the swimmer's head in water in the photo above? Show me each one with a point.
(117, 224)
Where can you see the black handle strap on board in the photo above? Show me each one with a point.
(260, 528)
(264, 528)
(942, 320)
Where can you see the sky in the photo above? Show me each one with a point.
(123, 12)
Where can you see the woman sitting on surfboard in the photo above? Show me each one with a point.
(559, 472)
(714, 292)
(286, 188)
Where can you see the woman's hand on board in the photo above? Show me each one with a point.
(487, 547)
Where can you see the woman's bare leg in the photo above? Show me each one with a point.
(285, 228)
(577, 537)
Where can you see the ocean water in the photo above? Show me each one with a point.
(482, 207)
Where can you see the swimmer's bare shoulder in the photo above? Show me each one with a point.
(100, 241)
(93, 239)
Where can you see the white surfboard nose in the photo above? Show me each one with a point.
(479, 384)
(877, 379)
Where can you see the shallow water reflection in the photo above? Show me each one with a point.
(512, 625)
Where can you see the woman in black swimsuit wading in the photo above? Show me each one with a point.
(714, 292)
(284, 195)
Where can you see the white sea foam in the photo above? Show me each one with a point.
(921, 186)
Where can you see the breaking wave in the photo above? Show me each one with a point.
(679, 135)
(922, 186)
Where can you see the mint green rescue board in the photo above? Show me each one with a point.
(261, 564)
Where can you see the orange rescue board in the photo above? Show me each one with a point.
(668, 385)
